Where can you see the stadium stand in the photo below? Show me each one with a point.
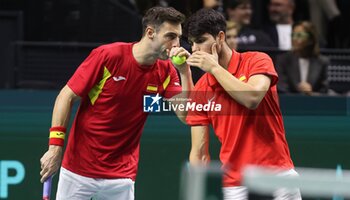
(11, 26)
(339, 69)
(46, 65)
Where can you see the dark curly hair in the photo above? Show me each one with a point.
(156, 16)
(204, 21)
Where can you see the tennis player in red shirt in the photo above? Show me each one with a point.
(102, 153)
(249, 125)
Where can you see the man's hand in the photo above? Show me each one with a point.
(50, 162)
(305, 87)
(205, 61)
(180, 51)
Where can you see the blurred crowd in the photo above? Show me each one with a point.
(299, 28)
(266, 23)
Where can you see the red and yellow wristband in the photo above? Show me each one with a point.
(57, 135)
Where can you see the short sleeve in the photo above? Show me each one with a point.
(88, 74)
(172, 83)
(261, 63)
(195, 117)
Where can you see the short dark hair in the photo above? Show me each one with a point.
(205, 21)
(156, 16)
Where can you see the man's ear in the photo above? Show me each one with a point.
(150, 32)
(222, 37)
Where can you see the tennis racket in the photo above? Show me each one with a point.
(47, 188)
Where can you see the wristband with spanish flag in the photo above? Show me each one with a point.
(57, 135)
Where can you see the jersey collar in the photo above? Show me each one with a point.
(232, 67)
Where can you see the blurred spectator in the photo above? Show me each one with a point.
(211, 3)
(240, 12)
(339, 30)
(198, 4)
(303, 70)
(232, 30)
(323, 12)
(143, 5)
(281, 17)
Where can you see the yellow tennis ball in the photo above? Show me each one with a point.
(178, 60)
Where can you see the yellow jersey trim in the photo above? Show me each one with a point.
(97, 89)
(166, 82)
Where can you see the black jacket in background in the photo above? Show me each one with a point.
(287, 66)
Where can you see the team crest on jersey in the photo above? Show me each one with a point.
(152, 88)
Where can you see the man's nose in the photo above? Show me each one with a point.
(176, 42)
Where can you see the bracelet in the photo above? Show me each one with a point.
(57, 135)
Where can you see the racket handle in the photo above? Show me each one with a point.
(47, 189)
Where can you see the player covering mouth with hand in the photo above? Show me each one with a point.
(102, 153)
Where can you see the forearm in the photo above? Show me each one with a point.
(199, 154)
(187, 86)
(62, 108)
(61, 111)
(60, 117)
(199, 158)
(186, 80)
(51, 160)
(242, 92)
(61, 114)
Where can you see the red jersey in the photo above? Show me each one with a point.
(247, 136)
(105, 136)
